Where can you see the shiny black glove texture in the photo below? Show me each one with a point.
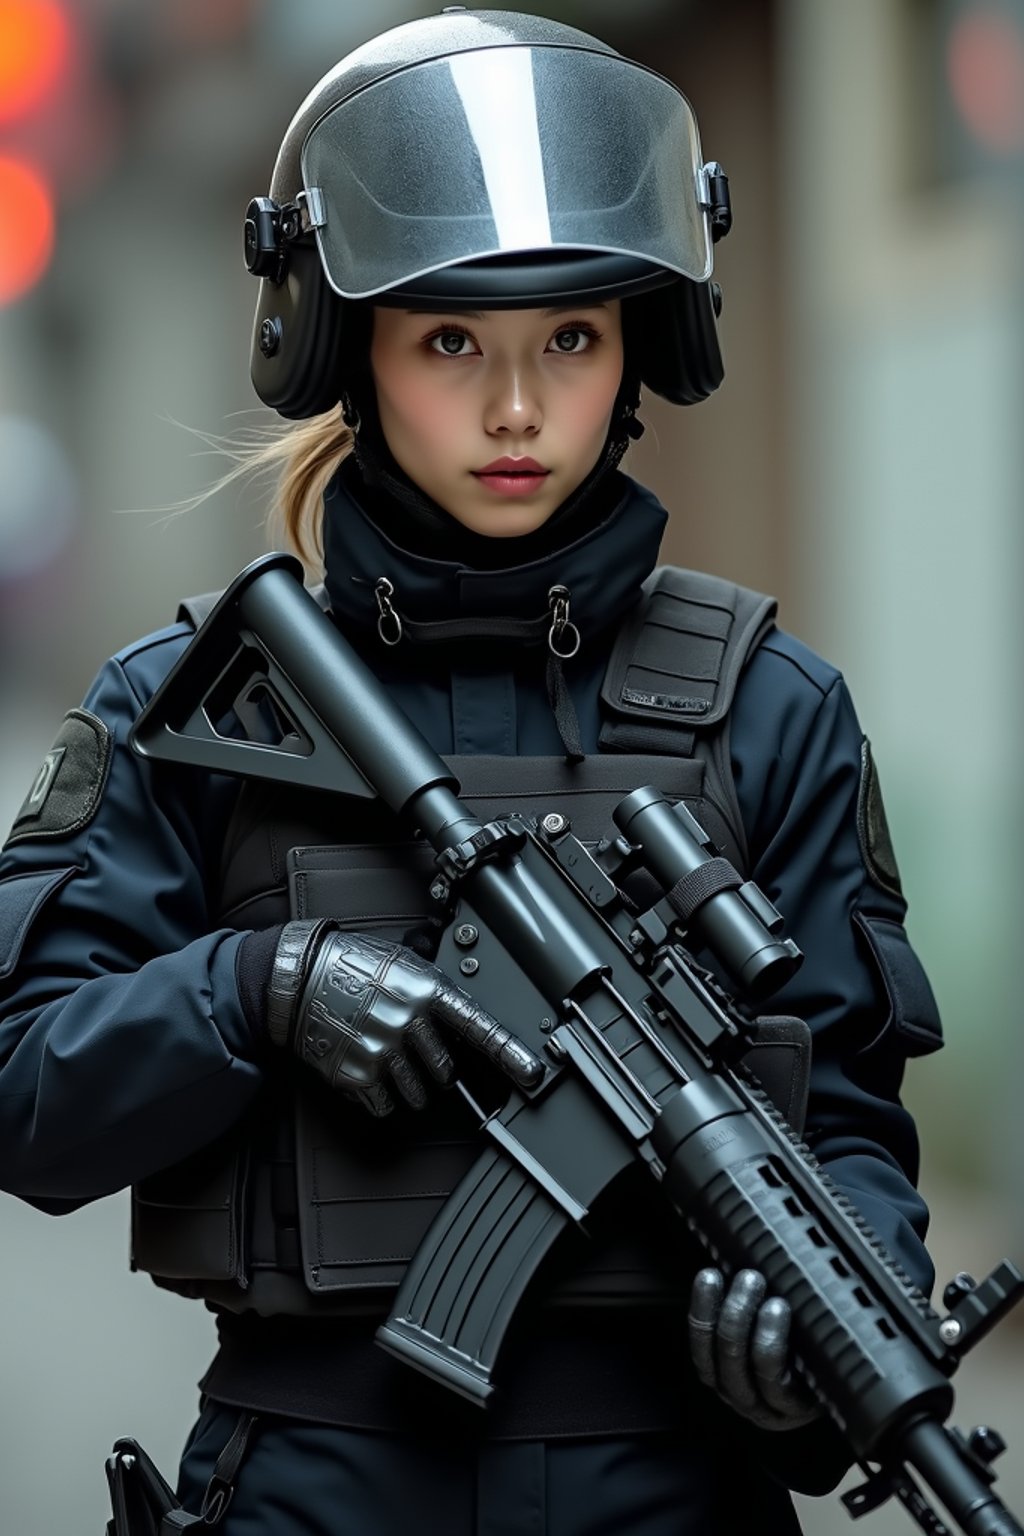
(363, 1013)
(739, 1343)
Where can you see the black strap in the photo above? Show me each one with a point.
(642, 737)
(564, 710)
(483, 627)
(707, 880)
(221, 1487)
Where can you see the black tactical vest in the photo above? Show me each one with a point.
(311, 1207)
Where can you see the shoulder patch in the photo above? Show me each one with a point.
(873, 829)
(69, 785)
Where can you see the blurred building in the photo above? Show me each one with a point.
(861, 461)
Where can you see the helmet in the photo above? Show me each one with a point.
(491, 159)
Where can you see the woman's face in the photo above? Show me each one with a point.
(498, 415)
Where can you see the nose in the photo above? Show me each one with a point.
(514, 408)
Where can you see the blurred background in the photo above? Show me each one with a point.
(862, 461)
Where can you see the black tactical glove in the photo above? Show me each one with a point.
(362, 1012)
(739, 1343)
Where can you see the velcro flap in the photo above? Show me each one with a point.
(22, 897)
(913, 1012)
(680, 655)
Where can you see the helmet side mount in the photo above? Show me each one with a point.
(715, 198)
(271, 227)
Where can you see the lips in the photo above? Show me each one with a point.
(507, 466)
(512, 477)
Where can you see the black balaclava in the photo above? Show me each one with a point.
(417, 522)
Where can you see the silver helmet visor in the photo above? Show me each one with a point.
(499, 150)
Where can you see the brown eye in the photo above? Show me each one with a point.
(573, 338)
(451, 343)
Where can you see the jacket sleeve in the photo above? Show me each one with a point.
(820, 851)
(123, 1043)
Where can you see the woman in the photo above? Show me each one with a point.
(477, 247)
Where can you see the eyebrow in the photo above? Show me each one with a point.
(426, 314)
(477, 314)
(564, 309)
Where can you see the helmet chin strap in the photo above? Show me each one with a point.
(425, 521)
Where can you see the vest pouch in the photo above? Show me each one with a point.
(383, 888)
(780, 1058)
(369, 1189)
(188, 1220)
(913, 1019)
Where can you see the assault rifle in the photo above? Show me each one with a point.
(642, 1049)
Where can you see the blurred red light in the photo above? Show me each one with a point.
(26, 228)
(985, 61)
(35, 41)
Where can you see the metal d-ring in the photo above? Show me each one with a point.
(389, 625)
(558, 602)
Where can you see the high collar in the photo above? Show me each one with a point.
(602, 568)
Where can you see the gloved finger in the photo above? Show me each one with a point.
(736, 1380)
(769, 1347)
(459, 1011)
(375, 1098)
(432, 1051)
(407, 1080)
(706, 1297)
(770, 1357)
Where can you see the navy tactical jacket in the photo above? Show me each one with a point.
(124, 1046)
